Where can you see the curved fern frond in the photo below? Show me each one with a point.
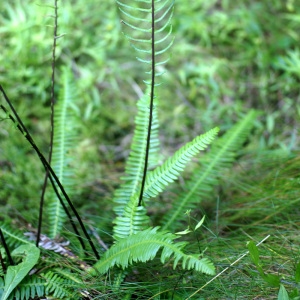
(150, 32)
(135, 163)
(212, 165)
(65, 135)
(170, 170)
(144, 246)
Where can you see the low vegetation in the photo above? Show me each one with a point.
(171, 176)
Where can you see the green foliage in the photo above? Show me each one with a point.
(29, 288)
(282, 294)
(136, 160)
(270, 279)
(211, 167)
(232, 56)
(169, 171)
(13, 238)
(65, 139)
(148, 23)
(126, 251)
(15, 274)
(58, 286)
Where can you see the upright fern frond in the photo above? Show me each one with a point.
(133, 220)
(149, 20)
(150, 34)
(212, 165)
(144, 246)
(135, 164)
(65, 134)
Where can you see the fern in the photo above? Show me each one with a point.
(133, 220)
(65, 127)
(149, 20)
(135, 163)
(143, 246)
(159, 178)
(59, 287)
(150, 28)
(220, 157)
(30, 288)
(13, 238)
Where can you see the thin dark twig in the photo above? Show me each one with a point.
(151, 100)
(51, 126)
(11, 262)
(20, 125)
(2, 264)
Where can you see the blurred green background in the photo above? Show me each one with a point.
(228, 57)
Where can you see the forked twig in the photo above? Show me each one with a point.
(20, 125)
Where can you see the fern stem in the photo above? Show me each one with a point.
(20, 125)
(52, 101)
(151, 100)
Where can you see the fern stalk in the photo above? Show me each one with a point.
(151, 101)
(51, 124)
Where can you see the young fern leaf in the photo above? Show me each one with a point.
(133, 220)
(212, 165)
(143, 246)
(170, 170)
(149, 21)
(65, 129)
(135, 164)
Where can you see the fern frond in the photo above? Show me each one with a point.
(133, 220)
(58, 287)
(150, 30)
(212, 165)
(2, 285)
(144, 246)
(69, 275)
(65, 136)
(30, 288)
(169, 171)
(135, 164)
(13, 238)
(118, 279)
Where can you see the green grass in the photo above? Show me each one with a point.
(228, 57)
